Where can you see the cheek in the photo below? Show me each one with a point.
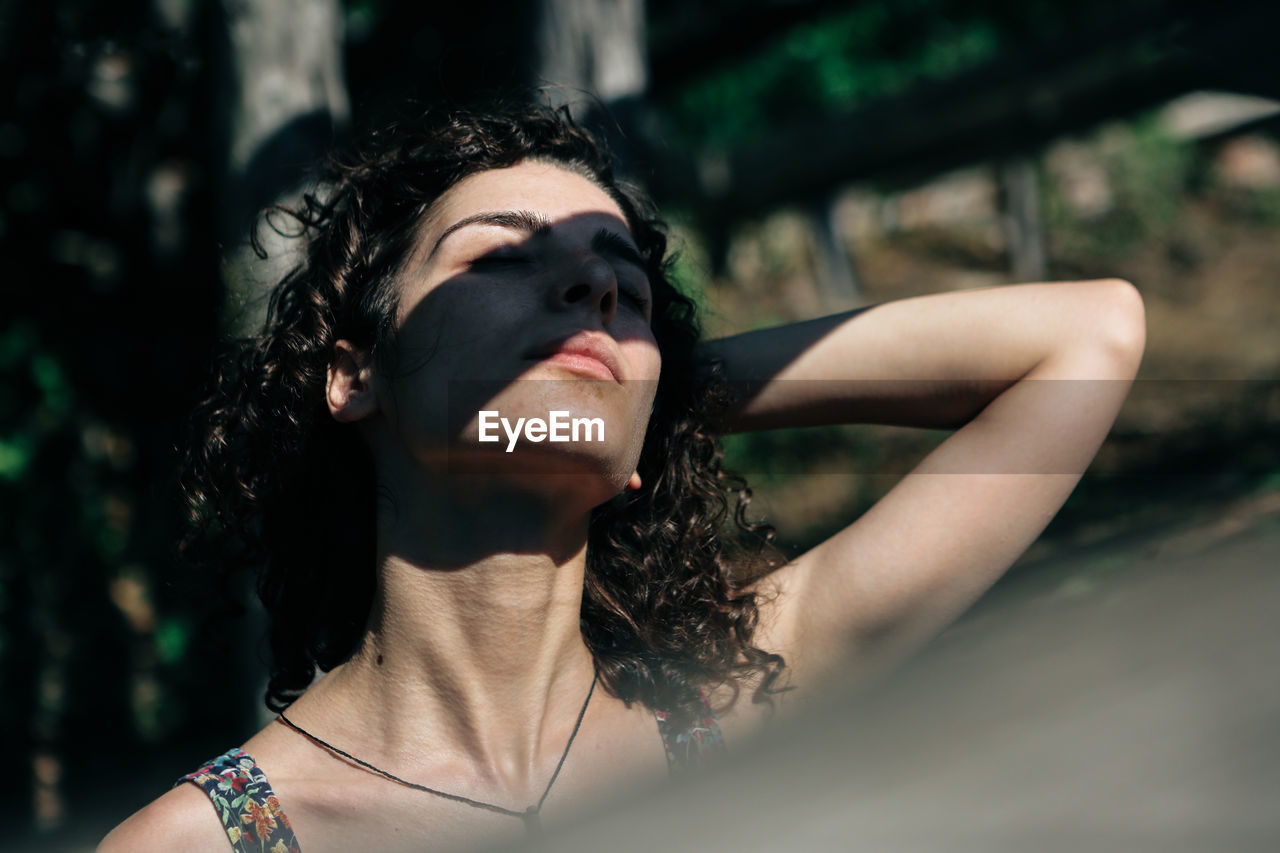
(646, 361)
(465, 329)
(643, 355)
(441, 364)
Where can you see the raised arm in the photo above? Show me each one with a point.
(1032, 376)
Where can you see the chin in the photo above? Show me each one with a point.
(590, 475)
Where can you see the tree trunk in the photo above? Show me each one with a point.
(1023, 223)
(835, 269)
(286, 102)
(590, 55)
(590, 48)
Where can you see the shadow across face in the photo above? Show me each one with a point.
(523, 345)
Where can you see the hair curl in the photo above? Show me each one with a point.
(665, 608)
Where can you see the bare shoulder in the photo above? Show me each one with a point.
(181, 819)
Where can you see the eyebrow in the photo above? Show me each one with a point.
(536, 224)
(527, 221)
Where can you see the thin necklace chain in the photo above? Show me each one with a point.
(529, 815)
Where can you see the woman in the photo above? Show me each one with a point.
(500, 622)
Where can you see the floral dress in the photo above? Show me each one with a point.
(248, 807)
(255, 822)
(693, 748)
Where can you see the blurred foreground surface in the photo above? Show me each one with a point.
(1123, 697)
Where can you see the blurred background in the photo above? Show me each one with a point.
(810, 156)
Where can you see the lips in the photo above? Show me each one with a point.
(579, 350)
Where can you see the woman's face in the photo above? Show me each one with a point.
(524, 296)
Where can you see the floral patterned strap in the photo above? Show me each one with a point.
(694, 748)
(248, 807)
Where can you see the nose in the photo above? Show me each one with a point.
(588, 282)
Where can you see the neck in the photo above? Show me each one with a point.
(473, 656)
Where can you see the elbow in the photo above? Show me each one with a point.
(1122, 321)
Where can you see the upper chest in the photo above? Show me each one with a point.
(334, 804)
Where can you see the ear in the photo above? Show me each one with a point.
(349, 389)
(634, 483)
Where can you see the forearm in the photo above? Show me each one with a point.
(901, 571)
(929, 361)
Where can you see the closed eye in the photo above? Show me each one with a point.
(500, 259)
(618, 246)
(638, 300)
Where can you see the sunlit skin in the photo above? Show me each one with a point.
(473, 668)
(480, 574)
(508, 260)
(474, 565)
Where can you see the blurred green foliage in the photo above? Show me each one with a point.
(1149, 172)
(868, 51)
(35, 399)
(172, 636)
(688, 264)
(766, 457)
(361, 18)
(1263, 206)
(1151, 177)
(821, 66)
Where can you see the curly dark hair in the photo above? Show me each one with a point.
(665, 612)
